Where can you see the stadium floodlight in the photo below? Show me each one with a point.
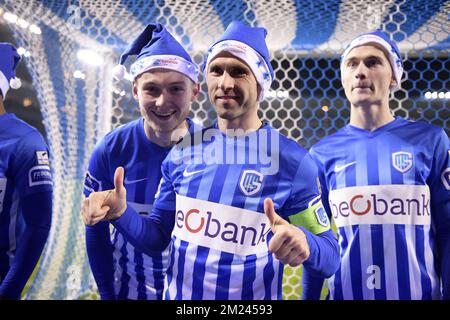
(35, 29)
(79, 75)
(89, 57)
(11, 18)
(23, 23)
(21, 51)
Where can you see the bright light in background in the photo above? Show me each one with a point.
(23, 52)
(11, 18)
(437, 95)
(89, 57)
(27, 102)
(281, 94)
(35, 29)
(79, 75)
(23, 23)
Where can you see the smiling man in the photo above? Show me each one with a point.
(164, 85)
(386, 183)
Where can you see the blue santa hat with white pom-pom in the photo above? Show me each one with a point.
(249, 44)
(155, 47)
(9, 58)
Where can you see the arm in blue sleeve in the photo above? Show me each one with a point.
(323, 260)
(100, 254)
(311, 285)
(37, 213)
(440, 208)
(444, 250)
(148, 234)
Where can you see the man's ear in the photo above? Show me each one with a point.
(135, 90)
(195, 91)
(393, 83)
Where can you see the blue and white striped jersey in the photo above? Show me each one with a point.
(216, 185)
(388, 193)
(24, 170)
(136, 275)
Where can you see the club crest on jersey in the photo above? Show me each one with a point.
(402, 161)
(250, 182)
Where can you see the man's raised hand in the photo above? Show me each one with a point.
(288, 244)
(108, 204)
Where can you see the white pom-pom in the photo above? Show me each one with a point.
(119, 72)
(15, 83)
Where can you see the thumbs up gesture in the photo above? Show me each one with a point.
(106, 205)
(288, 244)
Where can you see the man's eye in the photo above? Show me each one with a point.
(215, 70)
(372, 62)
(176, 89)
(151, 89)
(238, 72)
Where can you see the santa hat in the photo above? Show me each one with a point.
(380, 38)
(9, 58)
(248, 44)
(155, 47)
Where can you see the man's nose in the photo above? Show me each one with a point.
(361, 71)
(226, 82)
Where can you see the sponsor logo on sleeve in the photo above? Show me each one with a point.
(91, 184)
(42, 158)
(445, 177)
(39, 175)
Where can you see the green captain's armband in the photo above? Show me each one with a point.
(314, 219)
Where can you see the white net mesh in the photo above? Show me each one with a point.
(305, 39)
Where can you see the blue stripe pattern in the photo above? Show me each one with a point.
(400, 252)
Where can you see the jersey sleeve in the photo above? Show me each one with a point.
(152, 233)
(440, 207)
(37, 214)
(322, 185)
(31, 166)
(98, 176)
(304, 206)
(98, 243)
